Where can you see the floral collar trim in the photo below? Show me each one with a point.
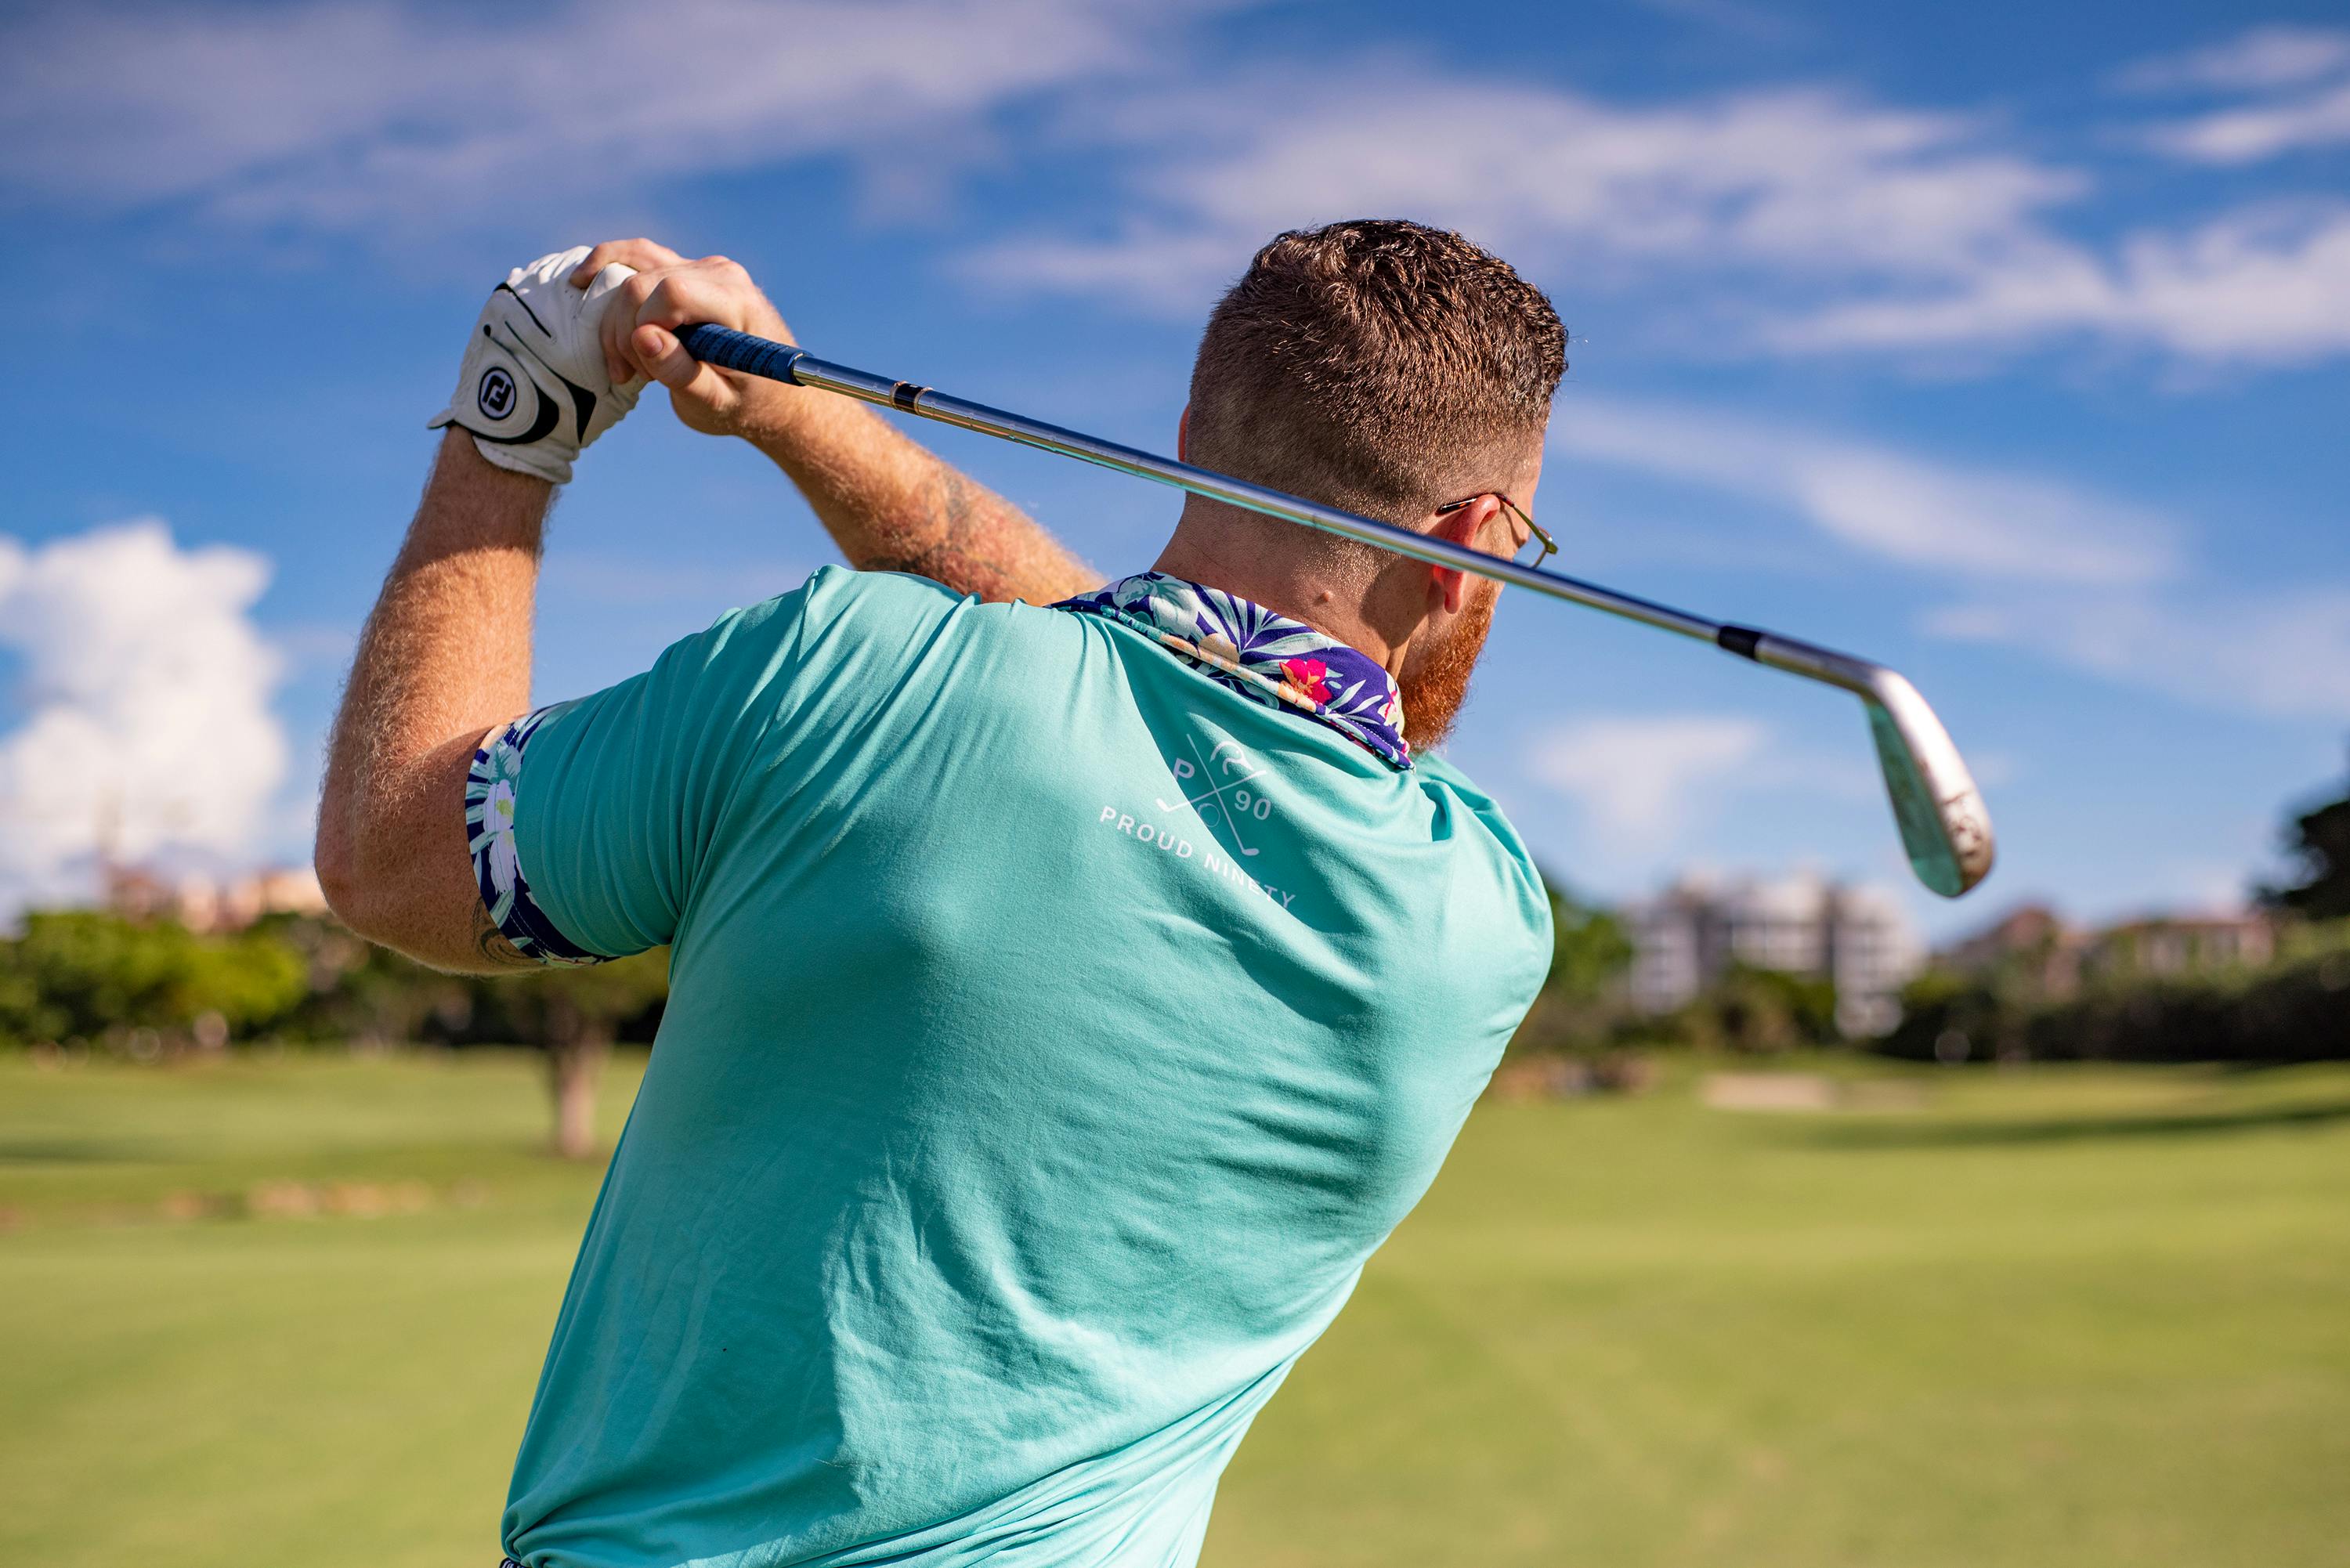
(1279, 662)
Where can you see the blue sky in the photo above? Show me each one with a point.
(2009, 347)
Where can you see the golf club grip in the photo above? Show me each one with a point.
(724, 347)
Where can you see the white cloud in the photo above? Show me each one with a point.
(2248, 135)
(2260, 288)
(1797, 220)
(354, 112)
(2064, 573)
(2293, 84)
(1812, 220)
(1640, 777)
(1970, 522)
(145, 693)
(2283, 653)
(1805, 182)
(2270, 57)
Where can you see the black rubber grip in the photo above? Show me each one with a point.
(1742, 641)
(741, 351)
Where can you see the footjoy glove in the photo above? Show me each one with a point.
(533, 390)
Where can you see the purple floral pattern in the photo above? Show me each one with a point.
(1263, 655)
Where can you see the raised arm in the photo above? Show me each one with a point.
(444, 660)
(888, 503)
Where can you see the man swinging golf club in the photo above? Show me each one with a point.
(1067, 996)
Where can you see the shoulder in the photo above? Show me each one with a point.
(1484, 834)
(896, 603)
(840, 594)
(834, 604)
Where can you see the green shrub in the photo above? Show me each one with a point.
(87, 973)
(2296, 1009)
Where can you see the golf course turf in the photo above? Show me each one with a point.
(290, 1311)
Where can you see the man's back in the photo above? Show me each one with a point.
(1054, 1031)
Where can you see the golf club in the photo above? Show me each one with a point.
(1944, 826)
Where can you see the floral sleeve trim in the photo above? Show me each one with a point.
(497, 863)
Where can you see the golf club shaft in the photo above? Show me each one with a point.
(785, 362)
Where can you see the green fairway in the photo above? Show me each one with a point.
(291, 1312)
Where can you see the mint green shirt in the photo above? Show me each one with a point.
(1053, 1033)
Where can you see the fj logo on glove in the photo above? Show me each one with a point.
(496, 396)
(538, 339)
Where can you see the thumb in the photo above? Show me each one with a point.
(665, 359)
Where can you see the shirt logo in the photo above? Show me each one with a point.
(1218, 788)
(1241, 807)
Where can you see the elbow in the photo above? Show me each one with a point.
(342, 893)
(336, 860)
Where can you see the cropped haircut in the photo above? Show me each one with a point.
(1372, 364)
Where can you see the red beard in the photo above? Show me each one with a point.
(1436, 683)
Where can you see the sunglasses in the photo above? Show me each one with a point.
(1539, 545)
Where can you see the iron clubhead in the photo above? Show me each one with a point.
(1945, 827)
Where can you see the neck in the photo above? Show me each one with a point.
(1219, 547)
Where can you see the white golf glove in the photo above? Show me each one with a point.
(533, 390)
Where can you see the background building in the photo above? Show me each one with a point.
(1691, 934)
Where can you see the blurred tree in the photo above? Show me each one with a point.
(367, 995)
(2319, 839)
(90, 974)
(574, 1015)
(1758, 1010)
(1582, 998)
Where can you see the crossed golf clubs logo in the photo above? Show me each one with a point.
(1232, 798)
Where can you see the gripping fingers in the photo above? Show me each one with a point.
(620, 318)
(645, 255)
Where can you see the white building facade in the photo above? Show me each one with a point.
(1691, 934)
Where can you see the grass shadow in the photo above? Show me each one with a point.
(74, 1151)
(2070, 1130)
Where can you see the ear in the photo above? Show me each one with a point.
(1183, 435)
(1448, 585)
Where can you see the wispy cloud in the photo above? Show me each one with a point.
(146, 716)
(344, 113)
(2294, 90)
(1802, 182)
(2269, 56)
(1646, 780)
(2061, 571)
(2285, 654)
(2264, 287)
(2246, 135)
(1970, 521)
(1638, 777)
(1795, 219)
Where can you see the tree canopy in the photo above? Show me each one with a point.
(2319, 839)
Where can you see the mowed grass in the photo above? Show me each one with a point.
(2063, 1317)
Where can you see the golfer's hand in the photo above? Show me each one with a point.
(532, 389)
(667, 292)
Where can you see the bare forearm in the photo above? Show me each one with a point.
(444, 658)
(891, 505)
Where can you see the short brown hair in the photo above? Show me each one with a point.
(1369, 363)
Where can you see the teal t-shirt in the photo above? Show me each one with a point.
(1053, 1033)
